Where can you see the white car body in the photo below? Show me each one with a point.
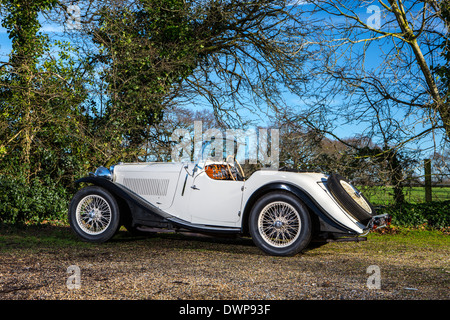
(214, 202)
(283, 210)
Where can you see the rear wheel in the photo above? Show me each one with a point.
(280, 224)
(94, 214)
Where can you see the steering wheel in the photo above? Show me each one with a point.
(237, 165)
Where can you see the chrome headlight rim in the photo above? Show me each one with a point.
(103, 172)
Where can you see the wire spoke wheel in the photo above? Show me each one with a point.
(279, 224)
(93, 214)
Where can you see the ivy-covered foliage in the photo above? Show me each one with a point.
(146, 50)
(435, 215)
(42, 89)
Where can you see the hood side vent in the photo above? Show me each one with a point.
(147, 187)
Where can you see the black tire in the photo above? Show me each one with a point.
(350, 198)
(94, 214)
(280, 224)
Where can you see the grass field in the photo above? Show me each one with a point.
(384, 195)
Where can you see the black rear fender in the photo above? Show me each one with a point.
(322, 221)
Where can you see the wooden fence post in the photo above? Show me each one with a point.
(428, 194)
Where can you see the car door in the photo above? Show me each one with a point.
(215, 202)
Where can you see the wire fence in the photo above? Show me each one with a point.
(384, 195)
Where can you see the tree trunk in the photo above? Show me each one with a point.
(438, 104)
(444, 111)
(396, 173)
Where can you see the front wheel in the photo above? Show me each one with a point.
(94, 214)
(280, 224)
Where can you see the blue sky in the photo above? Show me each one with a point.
(5, 44)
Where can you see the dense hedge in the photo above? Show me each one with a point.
(435, 214)
(31, 202)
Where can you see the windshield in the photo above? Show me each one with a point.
(226, 151)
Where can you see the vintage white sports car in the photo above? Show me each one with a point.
(281, 210)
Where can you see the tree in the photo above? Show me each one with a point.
(147, 50)
(307, 146)
(442, 70)
(18, 96)
(407, 34)
(41, 93)
(161, 142)
(372, 68)
(441, 167)
(153, 54)
(42, 89)
(251, 56)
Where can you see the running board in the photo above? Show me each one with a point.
(201, 227)
(349, 239)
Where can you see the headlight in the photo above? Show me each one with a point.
(104, 173)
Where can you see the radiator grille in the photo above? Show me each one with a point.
(147, 187)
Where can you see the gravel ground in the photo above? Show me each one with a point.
(173, 267)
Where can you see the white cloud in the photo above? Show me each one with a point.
(52, 28)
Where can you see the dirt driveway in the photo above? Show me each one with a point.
(46, 263)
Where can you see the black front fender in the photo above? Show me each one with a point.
(140, 209)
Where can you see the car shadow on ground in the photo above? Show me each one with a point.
(50, 235)
(124, 236)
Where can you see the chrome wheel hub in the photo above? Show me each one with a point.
(279, 224)
(93, 214)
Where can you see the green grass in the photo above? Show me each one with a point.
(413, 236)
(35, 236)
(381, 195)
